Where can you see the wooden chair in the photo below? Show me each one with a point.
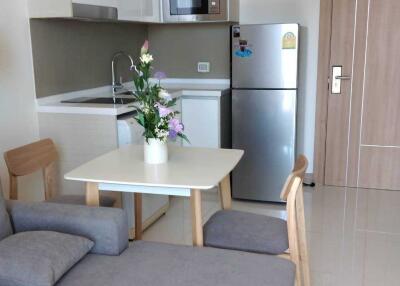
(41, 155)
(249, 232)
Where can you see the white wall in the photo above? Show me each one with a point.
(306, 13)
(18, 120)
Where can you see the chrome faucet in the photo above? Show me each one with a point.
(117, 84)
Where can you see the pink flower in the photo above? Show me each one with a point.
(145, 48)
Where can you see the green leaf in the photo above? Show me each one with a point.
(140, 119)
(183, 136)
(171, 103)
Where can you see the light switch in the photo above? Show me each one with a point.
(203, 67)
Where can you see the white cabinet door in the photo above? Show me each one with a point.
(139, 10)
(151, 10)
(201, 118)
(107, 3)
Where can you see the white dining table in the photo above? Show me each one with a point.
(188, 172)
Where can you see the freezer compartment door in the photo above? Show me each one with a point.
(264, 126)
(265, 56)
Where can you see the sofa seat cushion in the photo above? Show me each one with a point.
(39, 258)
(105, 201)
(5, 223)
(159, 264)
(246, 232)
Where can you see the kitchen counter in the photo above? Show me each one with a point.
(176, 87)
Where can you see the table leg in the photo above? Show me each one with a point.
(225, 193)
(197, 226)
(92, 194)
(138, 216)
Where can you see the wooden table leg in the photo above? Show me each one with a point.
(225, 193)
(92, 194)
(197, 226)
(138, 216)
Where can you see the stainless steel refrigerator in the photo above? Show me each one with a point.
(264, 102)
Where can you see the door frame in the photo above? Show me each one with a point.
(321, 113)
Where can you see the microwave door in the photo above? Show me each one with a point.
(188, 7)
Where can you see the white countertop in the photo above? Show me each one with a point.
(191, 168)
(177, 88)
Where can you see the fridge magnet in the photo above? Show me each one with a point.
(289, 41)
(236, 32)
(244, 50)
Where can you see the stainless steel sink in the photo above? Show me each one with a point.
(128, 92)
(101, 100)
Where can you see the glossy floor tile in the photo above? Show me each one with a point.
(353, 234)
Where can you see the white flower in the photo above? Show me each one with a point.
(146, 58)
(146, 110)
(162, 134)
(164, 95)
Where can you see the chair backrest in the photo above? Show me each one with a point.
(297, 232)
(299, 170)
(27, 159)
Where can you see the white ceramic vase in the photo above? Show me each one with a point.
(155, 151)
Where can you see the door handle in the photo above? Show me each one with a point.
(337, 78)
(343, 77)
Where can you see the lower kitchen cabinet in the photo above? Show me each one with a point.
(207, 120)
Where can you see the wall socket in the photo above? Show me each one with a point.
(203, 67)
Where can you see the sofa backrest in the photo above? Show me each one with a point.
(5, 223)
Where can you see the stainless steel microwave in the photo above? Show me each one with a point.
(199, 10)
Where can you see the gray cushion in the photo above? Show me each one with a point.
(5, 224)
(107, 227)
(159, 264)
(39, 258)
(105, 201)
(246, 232)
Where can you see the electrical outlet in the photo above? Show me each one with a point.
(203, 67)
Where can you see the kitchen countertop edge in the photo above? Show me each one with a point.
(177, 88)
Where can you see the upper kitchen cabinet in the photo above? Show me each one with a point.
(151, 11)
(86, 9)
(140, 10)
(107, 3)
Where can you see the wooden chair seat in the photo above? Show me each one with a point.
(248, 232)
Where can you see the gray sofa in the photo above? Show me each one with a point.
(112, 261)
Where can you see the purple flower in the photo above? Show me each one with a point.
(162, 110)
(160, 75)
(172, 134)
(175, 127)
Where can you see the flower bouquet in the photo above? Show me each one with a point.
(154, 111)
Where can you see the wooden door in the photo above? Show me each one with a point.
(358, 130)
